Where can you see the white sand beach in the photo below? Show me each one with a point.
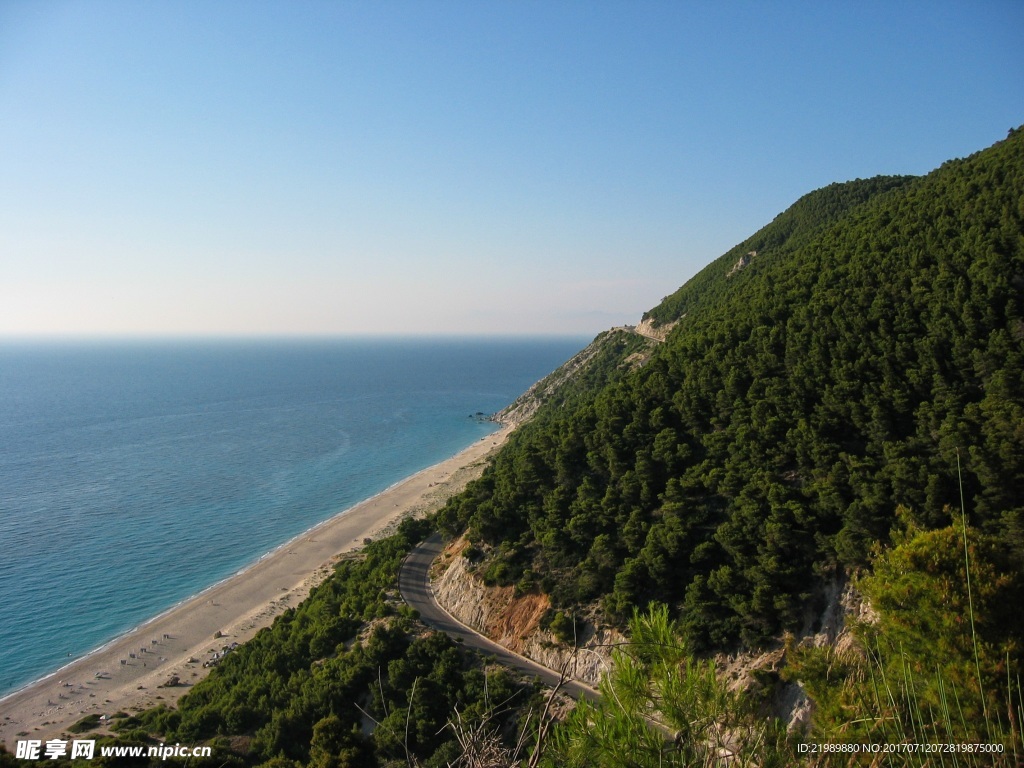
(129, 673)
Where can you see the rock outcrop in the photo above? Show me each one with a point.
(527, 404)
(843, 606)
(651, 330)
(515, 621)
(743, 262)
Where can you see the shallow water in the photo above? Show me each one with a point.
(133, 474)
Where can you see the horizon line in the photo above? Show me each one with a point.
(286, 337)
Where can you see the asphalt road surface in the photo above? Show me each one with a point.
(414, 584)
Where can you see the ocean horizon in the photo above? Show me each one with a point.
(135, 474)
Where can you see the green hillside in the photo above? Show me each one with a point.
(796, 226)
(799, 401)
(803, 421)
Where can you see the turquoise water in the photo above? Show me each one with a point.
(133, 475)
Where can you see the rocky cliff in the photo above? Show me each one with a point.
(515, 621)
(649, 328)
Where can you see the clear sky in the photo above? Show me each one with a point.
(277, 168)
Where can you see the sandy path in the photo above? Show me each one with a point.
(178, 642)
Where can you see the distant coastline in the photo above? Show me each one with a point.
(128, 470)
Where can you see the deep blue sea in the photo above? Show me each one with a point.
(135, 474)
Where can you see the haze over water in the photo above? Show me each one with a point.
(135, 474)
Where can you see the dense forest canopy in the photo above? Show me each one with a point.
(875, 337)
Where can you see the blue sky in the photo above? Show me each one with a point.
(273, 168)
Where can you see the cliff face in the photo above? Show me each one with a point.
(651, 329)
(514, 622)
(615, 351)
(842, 606)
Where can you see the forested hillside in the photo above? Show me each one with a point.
(823, 389)
(876, 335)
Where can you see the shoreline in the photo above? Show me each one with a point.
(128, 673)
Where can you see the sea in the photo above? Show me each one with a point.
(135, 474)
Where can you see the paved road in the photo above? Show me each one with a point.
(414, 584)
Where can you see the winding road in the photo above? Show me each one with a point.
(414, 584)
